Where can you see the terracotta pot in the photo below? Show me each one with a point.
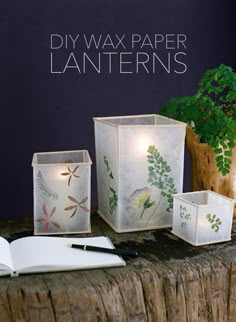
(204, 172)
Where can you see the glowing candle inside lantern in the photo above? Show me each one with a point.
(128, 151)
(142, 144)
(202, 223)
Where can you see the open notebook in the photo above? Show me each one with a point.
(44, 254)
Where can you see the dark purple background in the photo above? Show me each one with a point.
(45, 112)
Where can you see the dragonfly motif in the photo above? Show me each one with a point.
(70, 173)
(78, 204)
(47, 219)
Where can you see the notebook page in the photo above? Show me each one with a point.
(6, 263)
(49, 253)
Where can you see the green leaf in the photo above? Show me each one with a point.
(218, 150)
(159, 175)
(219, 158)
(228, 153)
(211, 112)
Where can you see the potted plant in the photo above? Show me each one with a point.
(211, 133)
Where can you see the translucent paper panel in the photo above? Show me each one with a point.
(185, 221)
(151, 166)
(107, 161)
(62, 192)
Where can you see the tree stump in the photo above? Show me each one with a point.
(204, 172)
(171, 281)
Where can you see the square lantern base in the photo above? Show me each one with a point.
(117, 230)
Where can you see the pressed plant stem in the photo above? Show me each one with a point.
(154, 210)
(142, 212)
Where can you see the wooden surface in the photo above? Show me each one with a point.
(170, 281)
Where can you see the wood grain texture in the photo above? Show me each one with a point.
(170, 281)
(204, 172)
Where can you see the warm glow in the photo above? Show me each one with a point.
(143, 142)
(56, 174)
(203, 224)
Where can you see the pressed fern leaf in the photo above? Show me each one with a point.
(159, 175)
(43, 186)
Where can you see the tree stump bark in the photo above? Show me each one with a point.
(204, 172)
(171, 281)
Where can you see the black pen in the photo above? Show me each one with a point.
(115, 251)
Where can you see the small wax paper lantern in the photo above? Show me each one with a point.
(202, 217)
(62, 192)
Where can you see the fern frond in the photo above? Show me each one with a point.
(43, 186)
(159, 175)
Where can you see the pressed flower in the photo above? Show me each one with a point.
(141, 198)
(71, 173)
(77, 204)
(47, 218)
